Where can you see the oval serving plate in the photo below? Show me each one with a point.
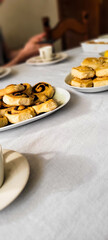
(85, 90)
(62, 97)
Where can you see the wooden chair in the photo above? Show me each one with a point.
(65, 26)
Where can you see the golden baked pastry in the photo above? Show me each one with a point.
(3, 110)
(11, 89)
(103, 59)
(3, 121)
(3, 107)
(28, 88)
(102, 71)
(99, 82)
(20, 113)
(94, 42)
(45, 107)
(44, 88)
(18, 99)
(92, 62)
(39, 98)
(0, 102)
(83, 72)
(76, 82)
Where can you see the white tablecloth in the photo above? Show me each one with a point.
(67, 193)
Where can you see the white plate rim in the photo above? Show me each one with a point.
(86, 90)
(8, 184)
(65, 94)
(63, 57)
(7, 72)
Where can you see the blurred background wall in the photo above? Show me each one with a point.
(21, 19)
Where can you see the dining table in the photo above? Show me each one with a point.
(66, 196)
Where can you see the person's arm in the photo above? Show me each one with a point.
(10, 54)
(30, 49)
(20, 58)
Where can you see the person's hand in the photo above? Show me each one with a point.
(31, 49)
(37, 38)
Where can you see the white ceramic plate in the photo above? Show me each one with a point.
(5, 73)
(61, 96)
(86, 90)
(16, 176)
(59, 57)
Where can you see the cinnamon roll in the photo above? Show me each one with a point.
(3, 121)
(28, 88)
(12, 89)
(45, 107)
(3, 107)
(39, 98)
(44, 88)
(17, 99)
(20, 113)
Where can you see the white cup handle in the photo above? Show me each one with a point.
(1, 167)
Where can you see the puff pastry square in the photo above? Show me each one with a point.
(76, 82)
(99, 82)
(83, 72)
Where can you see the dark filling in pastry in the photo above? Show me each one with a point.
(40, 87)
(20, 94)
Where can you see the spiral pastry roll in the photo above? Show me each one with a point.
(20, 113)
(45, 107)
(28, 88)
(3, 107)
(17, 99)
(39, 98)
(0, 102)
(44, 88)
(12, 89)
(3, 121)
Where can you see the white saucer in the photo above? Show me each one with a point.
(6, 72)
(16, 176)
(38, 61)
(85, 90)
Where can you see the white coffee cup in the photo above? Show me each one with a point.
(1, 167)
(46, 53)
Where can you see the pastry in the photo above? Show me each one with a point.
(99, 82)
(3, 121)
(39, 98)
(103, 59)
(45, 107)
(18, 99)
(92, 62)
(76, 82)
(94, 42)
(28, 88)
(83, 72)
(12, 89)
(3, 107)
(21, 113)
(44, 88)
(102, 71)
